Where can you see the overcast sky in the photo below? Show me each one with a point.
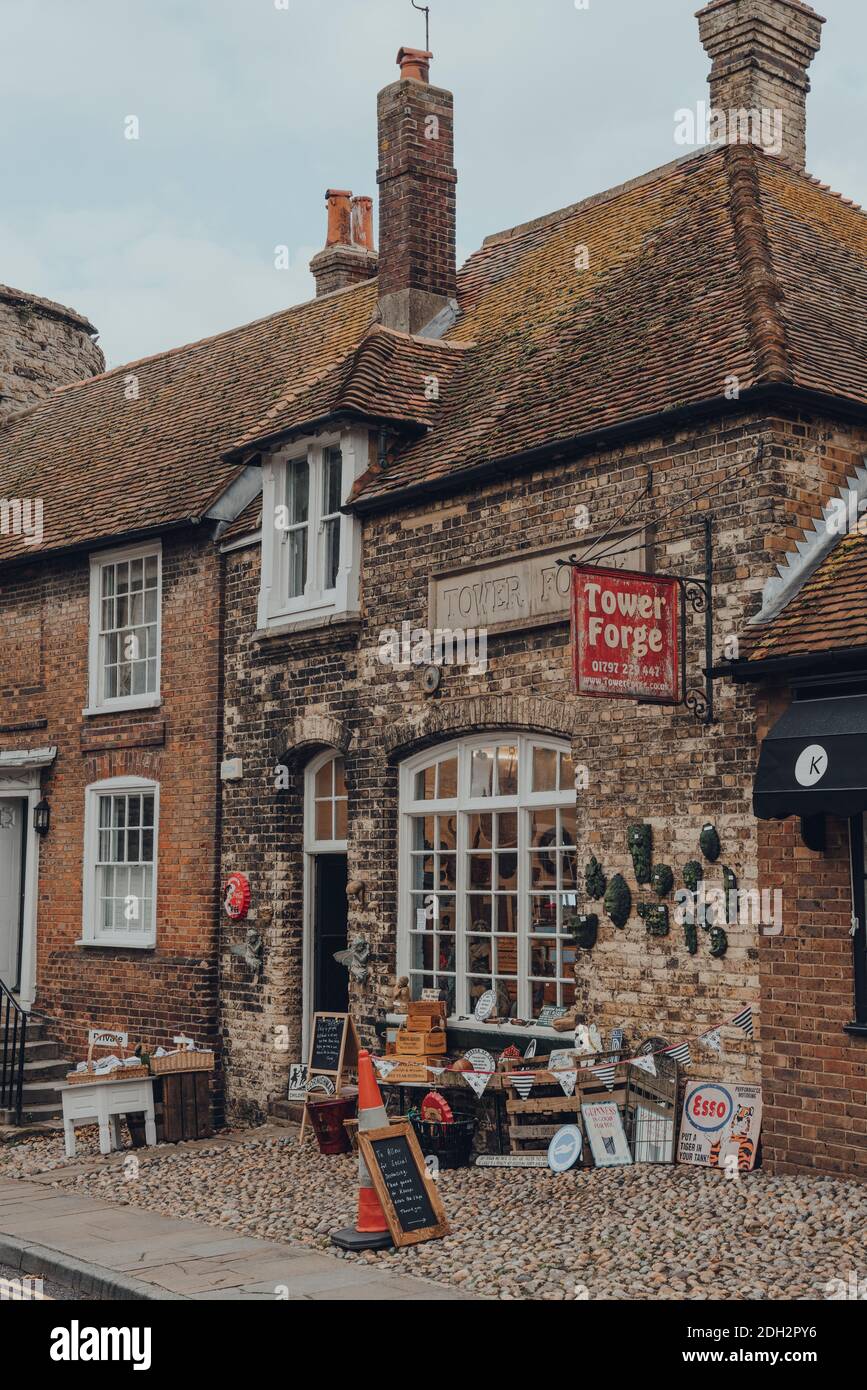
(248, 112)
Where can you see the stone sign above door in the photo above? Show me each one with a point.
(526, 589)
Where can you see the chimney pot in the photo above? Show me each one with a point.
(414, 64)
(338, 200)
(361, 222)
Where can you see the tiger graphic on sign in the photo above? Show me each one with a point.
(738, 1134)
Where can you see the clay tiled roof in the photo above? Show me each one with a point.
(726, 263)
(829, 613)
(105, 465)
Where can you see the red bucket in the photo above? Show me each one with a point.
(327, 1116)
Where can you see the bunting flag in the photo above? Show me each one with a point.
(478, 1080)
(384, 1066)
(680, 1054)
(522, 1082)
(646, 1063)
(712, 1040)
(436, 1071)
(606, 1075)
(745, 1020)
(567, 1080)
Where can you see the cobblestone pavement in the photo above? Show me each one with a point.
(641, 1232)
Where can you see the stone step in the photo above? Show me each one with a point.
(35, 1049)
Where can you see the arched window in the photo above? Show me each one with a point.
(325, 804)
(489, 872)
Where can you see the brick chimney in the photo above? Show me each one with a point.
(761, 50)
(416, 177)
(348, 255)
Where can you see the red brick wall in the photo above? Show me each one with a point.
(155, 992)
(814, 1076)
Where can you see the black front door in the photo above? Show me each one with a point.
(330, 978)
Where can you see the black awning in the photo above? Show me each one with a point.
(814, 760)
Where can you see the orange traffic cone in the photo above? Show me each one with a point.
(371, 1229)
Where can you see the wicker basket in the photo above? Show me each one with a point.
(182, 1061)
(87, 1078)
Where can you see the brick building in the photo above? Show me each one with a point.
(599, 381)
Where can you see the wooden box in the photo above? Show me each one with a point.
(420, 1044)
(426, 1014)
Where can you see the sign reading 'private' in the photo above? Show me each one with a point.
(625, 634)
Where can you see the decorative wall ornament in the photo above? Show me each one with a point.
(618, 901)
(690, 937)
(709, 843)
(661, 880)
(692, 875)
(251, 951)
(594, 878)
(719, 942)
(355, 959)
(654, 917)
(730, 886)
(639, 839)
(583, 927)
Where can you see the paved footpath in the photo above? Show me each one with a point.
(106, 1251)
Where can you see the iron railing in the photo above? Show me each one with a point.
(13, 1040)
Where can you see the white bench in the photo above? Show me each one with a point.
(102, 1103)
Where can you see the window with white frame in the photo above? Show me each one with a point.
(489, 873)
(125, 605)
(327, 800)
(120, 862)
(310, 548)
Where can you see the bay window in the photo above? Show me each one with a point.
(489, 873)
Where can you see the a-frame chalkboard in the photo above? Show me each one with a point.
(333, 1046)
(403, 1185)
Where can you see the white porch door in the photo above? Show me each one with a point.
(12, 818)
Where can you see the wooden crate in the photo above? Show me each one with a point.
(534, 1122)
(186, 1105)
(420, 1044)
(423, 1015)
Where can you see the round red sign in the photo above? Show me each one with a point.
(236, 896)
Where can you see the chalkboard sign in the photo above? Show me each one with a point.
(408, 1195)
(333, 1046)
(329, 1035)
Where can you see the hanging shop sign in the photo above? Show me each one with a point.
(720, 1123)
(626, 635)
(236, 896)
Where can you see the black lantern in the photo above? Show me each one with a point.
(41, 817)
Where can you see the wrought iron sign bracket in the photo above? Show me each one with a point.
(697, 592)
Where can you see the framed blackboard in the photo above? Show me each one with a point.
(329, 1038)
(408, 1194)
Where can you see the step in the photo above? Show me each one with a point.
(37, 1053)
(53, 1068)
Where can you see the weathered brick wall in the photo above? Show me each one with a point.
(153, 993)
(41, 347)
(644, 762)
(814, 1077)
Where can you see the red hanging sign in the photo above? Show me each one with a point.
(236, 896)
(625, 635)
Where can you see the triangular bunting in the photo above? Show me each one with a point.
(645, 1063)
(567, 1080)
(522, 1082)
(680, 1053)
(606, 1075)
(745, 1020)
(385, 1066)
(712, 1040)
(477, 1080)
(436, 1071)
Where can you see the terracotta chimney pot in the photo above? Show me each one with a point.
(361, 222)
(338, 200)
(414, 64)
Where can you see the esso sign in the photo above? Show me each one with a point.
(236, 896)
(709, 1107)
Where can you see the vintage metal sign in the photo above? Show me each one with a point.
(626, 635)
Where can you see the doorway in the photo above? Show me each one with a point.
(326, 981)
(13, 848)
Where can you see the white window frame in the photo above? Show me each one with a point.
(97, 702)
(312, 848)
(146, 937)
(275, 607)
(527, 801)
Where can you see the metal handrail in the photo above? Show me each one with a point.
(13, 1038)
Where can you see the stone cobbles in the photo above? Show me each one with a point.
(639, 1233)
